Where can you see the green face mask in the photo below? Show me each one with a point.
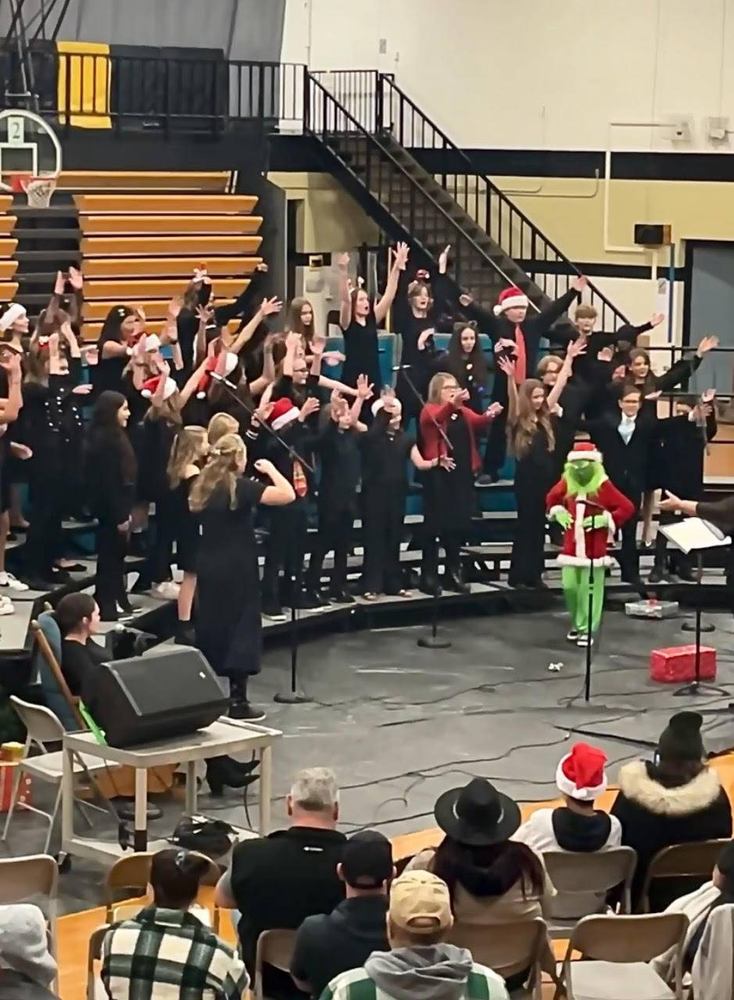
(584, 471)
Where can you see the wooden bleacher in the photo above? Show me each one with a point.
(8, 245)
(142, 234)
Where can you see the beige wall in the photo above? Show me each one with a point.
(329, 219)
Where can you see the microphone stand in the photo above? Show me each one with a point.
(432, 641)
(293, 696)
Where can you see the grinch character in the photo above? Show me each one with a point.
(590, 509)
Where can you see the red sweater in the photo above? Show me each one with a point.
(434, 446)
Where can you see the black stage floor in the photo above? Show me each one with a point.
(400, 724)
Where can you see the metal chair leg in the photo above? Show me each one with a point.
(13, 797)
(52, 820)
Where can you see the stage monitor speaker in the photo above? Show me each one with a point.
(648, 235)
(154, 697)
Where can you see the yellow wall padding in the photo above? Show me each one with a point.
(87, 89)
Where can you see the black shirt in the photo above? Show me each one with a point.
(279, 880)
(340, 467)
(80, 663)
(329, 944)
(385, 454)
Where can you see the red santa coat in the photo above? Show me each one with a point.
(581, 545)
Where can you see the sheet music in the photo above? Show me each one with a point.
(693, 534)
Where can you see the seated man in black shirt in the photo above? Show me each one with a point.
(329, 944)
(77, 616)
(279, 880)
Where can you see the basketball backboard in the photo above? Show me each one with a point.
(28, 145)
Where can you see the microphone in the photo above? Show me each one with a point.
(221, 378)
(400, 368)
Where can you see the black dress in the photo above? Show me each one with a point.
(361, 351)
(228, 625)
(185, 527)
(535, 473)
(449, 495)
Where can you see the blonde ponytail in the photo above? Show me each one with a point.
(221, 470)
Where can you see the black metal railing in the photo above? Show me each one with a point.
(158, 92)
(379, 105)
(330, 122)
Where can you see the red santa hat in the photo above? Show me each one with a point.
(283, 413)
(584, 451)
(151, 385)
(511, 298)
(230, 363)
(581, 774)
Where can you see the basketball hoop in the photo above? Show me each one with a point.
(38, 189)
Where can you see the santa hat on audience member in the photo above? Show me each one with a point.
(151, 385)
(581, 774)
(152, 342)
(510, 298)
(283, 413)
(584, 451)
(230, 363)
(14, 312)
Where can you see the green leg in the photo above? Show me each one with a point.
(571, 591)
(597, 599)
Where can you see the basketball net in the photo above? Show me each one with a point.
(38, 189)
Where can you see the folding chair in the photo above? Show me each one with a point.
(274, 947)
(508, 948)
(47, 661)
(95, 989)
(694, 860)
(582, 882)
(616, 951)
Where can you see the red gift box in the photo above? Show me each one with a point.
(678, 664)
(7, 777)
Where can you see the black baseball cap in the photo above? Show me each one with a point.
(367, 860)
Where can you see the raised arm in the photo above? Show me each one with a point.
(345, 298)
(554, 310)
(574, 350)
(280, 492)
(189, 387)
(507, 366)
(399, 260)
(11, 405)
(268, 307)
(267, 377)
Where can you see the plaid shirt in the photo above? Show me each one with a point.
(169, 955)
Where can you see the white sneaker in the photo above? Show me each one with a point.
(166, 591)
(12, 582)
(572, 634)
(585, 640)
(6, 606)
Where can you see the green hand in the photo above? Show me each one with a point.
(563, 518)
(594, 521)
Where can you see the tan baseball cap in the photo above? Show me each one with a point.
(420, 903)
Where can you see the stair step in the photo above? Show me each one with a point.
(30, 256)
(29, 212)
(28, 277)
(72, 235)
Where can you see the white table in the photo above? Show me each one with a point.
(225, 736)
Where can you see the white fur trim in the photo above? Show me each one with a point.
(584, 456)
(579, 532)
(152, 342)
(230, 363)
(698, 794)
(565, 560)
(285, 418)
(567, 786)
(511, 302)
(377, 406)
(12, 313)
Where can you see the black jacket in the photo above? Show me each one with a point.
(111, 488)
(681, 453)
(625, 464)
(654, 816)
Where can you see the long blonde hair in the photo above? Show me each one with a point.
(189, 447)
(524, 424)
(219, 425)
(221, 469)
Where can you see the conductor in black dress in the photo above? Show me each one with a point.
(228, 625)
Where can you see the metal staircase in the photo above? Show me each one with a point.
(371, 135)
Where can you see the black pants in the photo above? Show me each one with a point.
(382, 531)
(335, 534)
(110, 581)
(496, 451)
(452, 543)
(158, 564)
(284, 553)
(678, 560)
(44, 541)
(628, 557)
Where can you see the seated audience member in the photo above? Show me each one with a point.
(27, 968)
(575, 826)
(420, 964)
(700, 958)
(673, 799)
(491, 878)
(165, 951)
(279, 880)
(328, 944)
(77, 616)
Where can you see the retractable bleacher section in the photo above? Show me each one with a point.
(142, 234)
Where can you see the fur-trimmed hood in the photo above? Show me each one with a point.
(636, 785)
